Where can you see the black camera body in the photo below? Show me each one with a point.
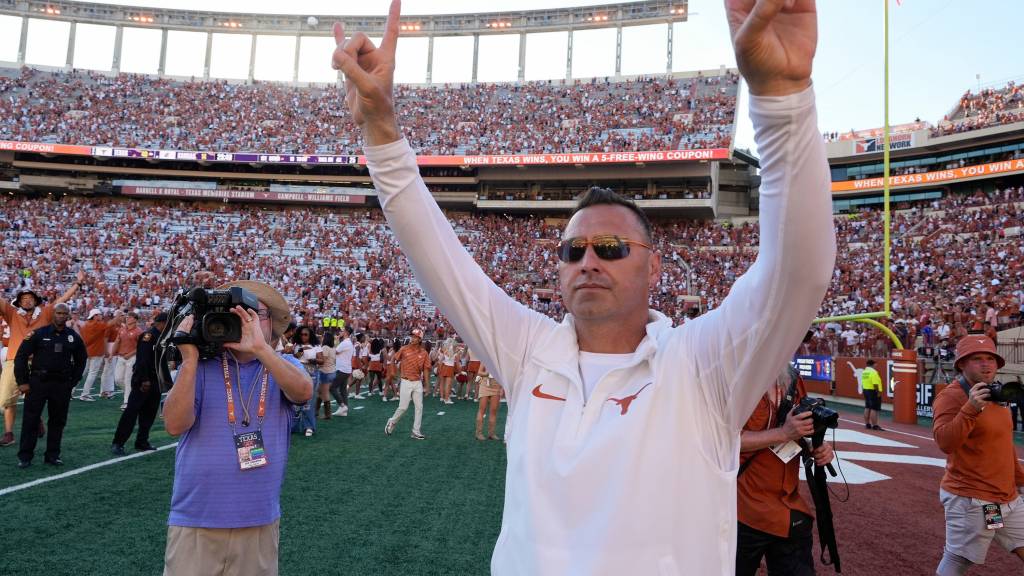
(1006, 393)
(214, 324)
(822, 416)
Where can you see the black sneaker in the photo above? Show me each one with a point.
(145, 447)
(117, 450)
(24, 464)
(54, 461)
(878, 428)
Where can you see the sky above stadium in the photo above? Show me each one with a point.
(939, 49)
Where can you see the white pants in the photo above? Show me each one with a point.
(93, 368)
(123, 376)
(414, 390)
(107, 379)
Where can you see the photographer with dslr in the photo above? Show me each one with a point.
(774, 520)
(233, 411)
(981, 489)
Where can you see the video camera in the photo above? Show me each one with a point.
(214, 324)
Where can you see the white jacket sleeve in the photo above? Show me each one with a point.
(740, 347)
(497, 327)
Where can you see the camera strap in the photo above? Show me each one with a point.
(966, 387)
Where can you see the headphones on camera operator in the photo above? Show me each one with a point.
(214, 325)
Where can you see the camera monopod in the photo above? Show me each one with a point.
(822, 506)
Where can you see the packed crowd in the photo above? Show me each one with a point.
(952, 260)
(989, 107)
(654, 113)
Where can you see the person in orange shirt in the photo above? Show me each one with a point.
(107, 378)
(23, 314)
(127, 342)
(981, 489)
(774, 521)
(414, 366)
(93, 332)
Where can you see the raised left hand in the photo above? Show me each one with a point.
(774, 41)
(252, 334)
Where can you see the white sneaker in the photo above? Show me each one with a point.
(309, 432)
(341, 411)
(86, 398)
(389, 427)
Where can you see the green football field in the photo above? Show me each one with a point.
(354, 500)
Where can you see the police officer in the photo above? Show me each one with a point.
(144, 401)
(58, 360)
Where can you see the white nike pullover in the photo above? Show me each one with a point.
(596, 488)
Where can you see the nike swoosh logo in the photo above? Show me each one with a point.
(539, 394)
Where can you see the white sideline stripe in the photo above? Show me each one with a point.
(897, 458)
(78, 471)
(891, 430)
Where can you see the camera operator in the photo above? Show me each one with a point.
(981, 489)
(225, 505)
(774, 521)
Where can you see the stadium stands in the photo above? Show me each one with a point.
(987, 108)
(950, 256)
(79, 107)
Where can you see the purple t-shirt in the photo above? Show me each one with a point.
(210, 490)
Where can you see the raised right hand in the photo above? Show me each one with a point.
(369, 78)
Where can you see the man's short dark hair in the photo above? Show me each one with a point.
(870, 362)
(598, 196)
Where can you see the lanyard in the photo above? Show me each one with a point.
(261, 410)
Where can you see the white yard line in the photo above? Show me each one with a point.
(78, 471)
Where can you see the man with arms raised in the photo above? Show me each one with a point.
(24, 314)
(625, 430)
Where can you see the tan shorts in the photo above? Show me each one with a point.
(222, 551)
(966, 535)
(8, 387)
(487, 390)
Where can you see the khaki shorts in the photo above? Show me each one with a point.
(222, 551)
(8, 387)
(966, 535)
(488, 390)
